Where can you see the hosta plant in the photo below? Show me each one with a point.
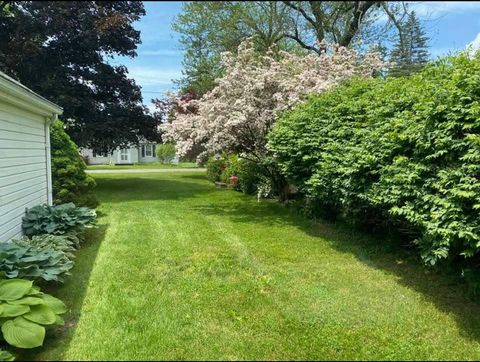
(67, 243)
(25, 311)
(18, 260)
(60, 219)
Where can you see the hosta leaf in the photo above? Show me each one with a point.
(14, 288)
(41, 314)
(14, 310)
(34, 291)
(59, 320)
(22, 333)
(55, 304)
(6, 356)
(28, 301)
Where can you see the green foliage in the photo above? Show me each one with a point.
(166, 153)
(231, 165)
(20, 259)
(209, 28)
(60, 219)
(66, 243)
(410, 52)
(24, 311)
(403, 151)
(215, 167)
(248, 173)
(70, 181)
(74, 70)
(6, 356)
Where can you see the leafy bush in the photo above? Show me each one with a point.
(18, 259)
(215, 167)
(231, 164)
(67, 243)
(25, 311)
(166, 153)
(60, 219)
(70, 181)
(248, 173)
(405, 151)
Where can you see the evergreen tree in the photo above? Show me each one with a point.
(410, 53)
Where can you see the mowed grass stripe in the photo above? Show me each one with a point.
(187, 271)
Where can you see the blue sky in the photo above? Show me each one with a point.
(450, 25)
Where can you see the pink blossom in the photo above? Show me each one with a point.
(240, 111)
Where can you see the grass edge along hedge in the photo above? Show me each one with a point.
(402, 150)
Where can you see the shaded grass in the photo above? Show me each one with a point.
(188, 271)
(72, 293)
(151, 165)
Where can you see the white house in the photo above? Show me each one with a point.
(25, 172)
(144, 153)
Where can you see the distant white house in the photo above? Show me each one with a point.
(143, 153)
(25, 168)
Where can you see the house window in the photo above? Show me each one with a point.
(99, 154)
(124, 154)
(148, 150)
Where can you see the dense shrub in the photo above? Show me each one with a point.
(21, 260)
(231, 165)
(215, 167)
(25, 311)
(70, 181)
(403, 150)
(166, 153)
(59, 219)
(248, 173)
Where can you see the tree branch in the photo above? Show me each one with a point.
(396, 22)
(301, 43)
(360, 11)
(301, 11)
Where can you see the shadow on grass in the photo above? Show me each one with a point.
(139, 188)
(379, 252)
(197, 176)
(72, 292)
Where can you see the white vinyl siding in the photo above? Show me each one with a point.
(23, 167)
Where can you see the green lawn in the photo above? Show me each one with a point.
(153, 165)
(182, 270)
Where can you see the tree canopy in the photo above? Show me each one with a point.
(63, 51)
(209, 28)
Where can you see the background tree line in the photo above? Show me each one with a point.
(209, 28)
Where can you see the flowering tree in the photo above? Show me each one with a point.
(240, 111)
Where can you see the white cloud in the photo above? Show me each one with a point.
(438, 8)
(146, 76)
(474, 45)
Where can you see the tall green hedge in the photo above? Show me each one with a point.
(70, 181)
(401, 150)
